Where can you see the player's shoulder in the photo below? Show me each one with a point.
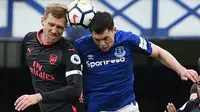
(125, 33)
(83, 40)
(122, 35)
(29, 36)
(68, 48)
(66, 43)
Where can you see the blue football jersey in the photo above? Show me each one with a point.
(108, 76)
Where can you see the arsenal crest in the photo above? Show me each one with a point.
(53, 59)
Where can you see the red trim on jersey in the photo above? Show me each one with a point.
(39, 38)
(74, 108)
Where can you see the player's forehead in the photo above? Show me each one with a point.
(59, 22)
(106, 33)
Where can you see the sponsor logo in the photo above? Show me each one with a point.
(90, 57)
(36, 69)
(104, 62)
(75, 59)
(74, 18)
(71, 49)
(29, 50)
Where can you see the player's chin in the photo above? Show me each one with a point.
(55, 38)
(104, 49)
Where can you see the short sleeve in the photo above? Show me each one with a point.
(72, 60)
(139, 43)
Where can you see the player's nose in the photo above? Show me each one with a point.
(102, 43)
(54, 30)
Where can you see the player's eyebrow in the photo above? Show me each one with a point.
(59, 26)
(101, 38)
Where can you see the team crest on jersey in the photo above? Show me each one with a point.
(75, 59)
(119, 51)
(90, 56)
(52, 59)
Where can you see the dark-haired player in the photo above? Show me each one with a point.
(107, 57)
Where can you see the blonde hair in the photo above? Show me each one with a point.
(57, 10)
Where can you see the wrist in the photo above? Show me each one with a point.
(182, 70)
(38, 97)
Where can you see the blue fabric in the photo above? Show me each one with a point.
(109, 76)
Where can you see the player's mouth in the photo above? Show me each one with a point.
(104, 48)
(53, 35)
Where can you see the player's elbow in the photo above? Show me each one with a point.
(75, 83)
(157, 52)
(76, 90)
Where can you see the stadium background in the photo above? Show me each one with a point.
(172, 24)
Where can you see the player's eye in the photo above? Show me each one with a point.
(60, 27)
(97, 39)
(105, 38)
(51, 25)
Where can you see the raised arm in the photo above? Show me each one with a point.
(170, 61)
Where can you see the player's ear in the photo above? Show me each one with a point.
(42, 21)
(114, 29)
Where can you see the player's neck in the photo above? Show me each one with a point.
(43, 39)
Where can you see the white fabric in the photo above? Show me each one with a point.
(128, 108)
(68, 73)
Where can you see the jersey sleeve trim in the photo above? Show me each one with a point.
(72, 72)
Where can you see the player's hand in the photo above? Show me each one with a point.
(193, 96)
(189, 74)
(171, 107)
(81, 98)
(27, 100)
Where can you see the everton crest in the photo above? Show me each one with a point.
(119, 52)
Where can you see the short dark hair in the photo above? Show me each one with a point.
(193, 89)
(101, 22)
